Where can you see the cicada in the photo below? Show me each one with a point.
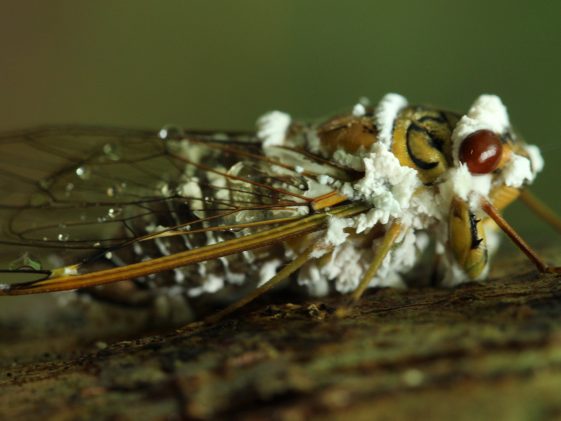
(338, 205)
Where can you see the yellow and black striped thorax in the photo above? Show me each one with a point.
(422, 139)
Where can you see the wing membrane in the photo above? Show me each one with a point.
(249, 242)
(76, 195)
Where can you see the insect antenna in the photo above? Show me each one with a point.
(530, 253)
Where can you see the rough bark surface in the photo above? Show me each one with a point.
(481, 351)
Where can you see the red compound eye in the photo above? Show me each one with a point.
(481, 151)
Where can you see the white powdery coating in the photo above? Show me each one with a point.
(236, 278)
(535, 158)
(346, 266)
(178, 275)
(487, 113)
(191, 189)
(311, 277)
(401, 258)
(336, 234)
(272, 128)
(492, 238)
(211, 284)
(385, 114)
(386, 184)
(461, 183)
(517, 171)
(268, 270)
(350, 160)
(349, 262)
(453, 274)
(389, 187)
(359, 110)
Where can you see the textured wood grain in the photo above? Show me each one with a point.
(489, 351)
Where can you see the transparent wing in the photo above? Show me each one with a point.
(96, 196)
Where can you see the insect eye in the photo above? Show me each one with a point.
(481, 151)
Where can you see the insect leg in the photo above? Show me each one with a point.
(381, 252)
(284, 273)
(541, 209)
(517, 239)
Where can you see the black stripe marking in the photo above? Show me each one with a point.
(439, 119)
(475, 241)
(424, 165)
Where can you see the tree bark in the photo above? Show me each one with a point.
(480, 351)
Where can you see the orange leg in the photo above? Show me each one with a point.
(381, 253)
(283, 274)
(518, 240)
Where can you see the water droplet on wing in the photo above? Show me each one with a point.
(170, 131)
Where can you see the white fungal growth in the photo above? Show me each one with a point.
(311, 277)
(359, 109)
(191, 189)
(385, 114)
(487, 113)
(387, 185)
(459, 182)
(273, 127)
(349, 262)
(212, 283)
(268, 270)
(517, 171)
(536, 158)
(393, 193)
(492, 237)
(336, 234)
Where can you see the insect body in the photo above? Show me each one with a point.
(351, 202)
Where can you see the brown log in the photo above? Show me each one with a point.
(480, 351)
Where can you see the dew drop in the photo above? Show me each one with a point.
(169, 131)
(114, 212)
(111, 151)
(110, 191)
(109, 255)
(83, 172)
(63, 237)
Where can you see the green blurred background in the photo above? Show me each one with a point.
(220, 64)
